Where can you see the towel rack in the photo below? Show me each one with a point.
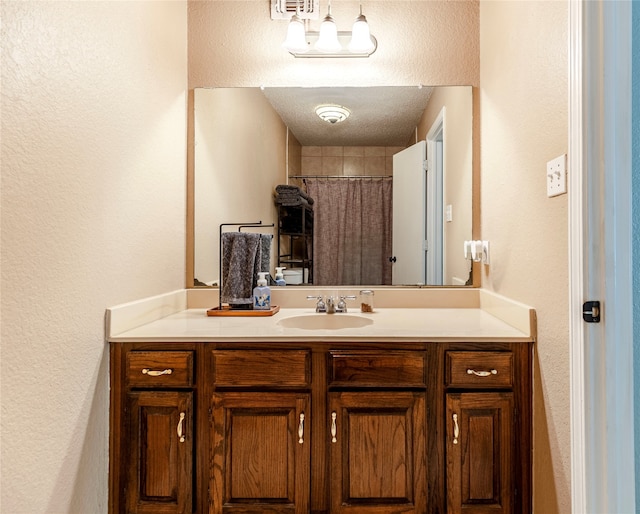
(240, 227)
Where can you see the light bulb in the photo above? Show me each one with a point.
(296, 41)
(360, 36)
(328, 38)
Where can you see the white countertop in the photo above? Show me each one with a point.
(146, 321)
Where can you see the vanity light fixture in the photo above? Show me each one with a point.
(332, 113)
(329, 42)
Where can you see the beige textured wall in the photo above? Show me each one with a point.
(93, 189)
(235, 43)
(93, 214)
(231, 150)
(523, 94)
(458, 161)
(294, 155)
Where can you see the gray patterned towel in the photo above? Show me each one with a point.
(243, 256)
(286, 194)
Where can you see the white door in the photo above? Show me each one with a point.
(409, 198)
(600, 207)
(434, 203)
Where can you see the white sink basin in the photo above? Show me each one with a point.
(325, 322)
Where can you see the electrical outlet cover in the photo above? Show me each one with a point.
(557, 176)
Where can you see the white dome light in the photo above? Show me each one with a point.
(332, 113)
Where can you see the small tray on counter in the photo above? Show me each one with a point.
(227, 311)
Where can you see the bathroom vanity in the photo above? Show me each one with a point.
(403, 410)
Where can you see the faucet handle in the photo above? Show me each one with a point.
(342, 304)
(320, 306)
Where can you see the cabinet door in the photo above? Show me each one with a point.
(480, 453)
(377, 447)
(160, 444)
(261, 453)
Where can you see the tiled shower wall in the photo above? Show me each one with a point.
(347, 160)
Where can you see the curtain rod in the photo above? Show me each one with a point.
(341, 176)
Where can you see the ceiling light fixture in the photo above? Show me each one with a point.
(332, 113)
(329, 42)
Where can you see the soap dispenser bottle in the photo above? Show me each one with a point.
(262, 293)
(280, 277)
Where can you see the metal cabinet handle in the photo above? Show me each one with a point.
(456, 429)
(154, 373)
(181, 436)
(334, 428)
(482, 373)
(301, 429)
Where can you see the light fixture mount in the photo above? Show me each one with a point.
(305, 9)
(332, 113)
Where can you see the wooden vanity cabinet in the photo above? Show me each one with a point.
(377, 431)
(160, 452)
(488, 429)
(152, 431)
(313, 427)
(261, 438)
(261, 460)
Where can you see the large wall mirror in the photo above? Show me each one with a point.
(391, 185)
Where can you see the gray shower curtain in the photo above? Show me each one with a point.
(352, 231)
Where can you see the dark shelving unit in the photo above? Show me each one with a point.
(295, 238)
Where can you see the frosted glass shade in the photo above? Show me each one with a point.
(328, 39)
(296, 40)
(361, 37)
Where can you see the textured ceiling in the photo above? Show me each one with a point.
(380, 116)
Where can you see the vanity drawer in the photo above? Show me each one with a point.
(389, 368)
(246, 368)
(160, 369)
(479, 369)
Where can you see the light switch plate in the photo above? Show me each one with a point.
(557, 176)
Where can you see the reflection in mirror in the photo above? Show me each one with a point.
(248, 141)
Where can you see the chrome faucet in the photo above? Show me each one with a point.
(320, 306)
(329, 305)
(342, 304)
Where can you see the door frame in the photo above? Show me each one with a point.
(601, 356)
(435, 199)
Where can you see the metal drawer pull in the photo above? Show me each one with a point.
(181, 437)
(482, 373)
(334, 428)
(456, 429)
(154, 373)
(301, 429)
